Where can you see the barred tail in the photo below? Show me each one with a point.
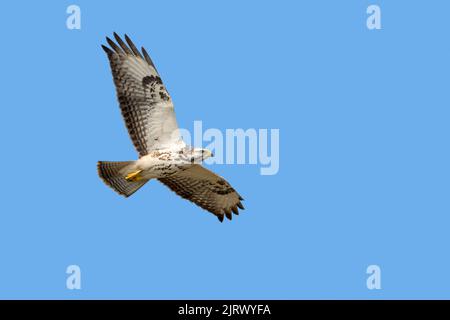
(112, 175)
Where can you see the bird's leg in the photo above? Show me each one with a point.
(134, 176)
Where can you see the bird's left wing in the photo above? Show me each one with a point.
(206, 189)
(144, 101)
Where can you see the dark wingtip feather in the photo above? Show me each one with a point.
(122, 44)
(133, 47)
(220, 217)
(240, 206)
(147, 58)
(114, 45)
(235, 210)
(228, 214)
(107, 50)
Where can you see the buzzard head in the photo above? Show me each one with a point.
(198, 155)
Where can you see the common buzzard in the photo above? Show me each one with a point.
(149, 116)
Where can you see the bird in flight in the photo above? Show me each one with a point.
(149, 116)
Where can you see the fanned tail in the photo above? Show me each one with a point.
(113, 175)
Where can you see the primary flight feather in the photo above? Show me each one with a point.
(149, 116)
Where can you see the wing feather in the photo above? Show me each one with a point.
(147, 58)
(114, 46)
(122, 44)
(133, 47)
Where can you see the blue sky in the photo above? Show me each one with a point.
(363, 177)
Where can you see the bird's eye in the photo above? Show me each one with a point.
(192, 160)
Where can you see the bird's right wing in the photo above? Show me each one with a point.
(206, 189)
(144, 101)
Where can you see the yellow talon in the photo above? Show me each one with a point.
(134, 176)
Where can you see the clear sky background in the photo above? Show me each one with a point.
(364, 158)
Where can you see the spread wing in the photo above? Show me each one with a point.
(206, 189)
(144, 101)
